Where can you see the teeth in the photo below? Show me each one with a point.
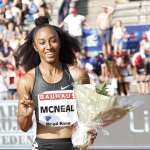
(49, 54)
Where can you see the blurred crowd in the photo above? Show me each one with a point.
(15, 17)
(113, 65)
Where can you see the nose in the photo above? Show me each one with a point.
(48, 45)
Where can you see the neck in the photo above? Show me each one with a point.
(50, 69)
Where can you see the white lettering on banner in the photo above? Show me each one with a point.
(11, 111)
(16, 139)
(7, 124)
(146, 126)
(10, 134)
(57, 108)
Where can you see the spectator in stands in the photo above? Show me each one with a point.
(81, 59)
(17, 14)
(145, 47)
(14, 41)
(105, 73)
(17, 31)
(104, 25)
(52, 67)
(6, 49)
(8, 13)
(118, 34)
(116, 77)
(23, 36)
(9, 30)
(32, 11)
(147, 59)
(10, 59)
(94, 79)
(3, 88)
(99, 61)
(2, 8)
(20, 72)
(43, 11)
(140, 72)
(110, 76)
(1, 41)
(39, 3)
(147, 34)
(124, 68)
(22, 6)
(13, 24)
(74, 23)
(11, 82)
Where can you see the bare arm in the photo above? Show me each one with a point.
(79, 75)
(25, 105)
(110, 9)
(61, 25)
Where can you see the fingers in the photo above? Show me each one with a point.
(92, 136)
(27, 101)
(91, 139)
(24, 99)
(91, 131)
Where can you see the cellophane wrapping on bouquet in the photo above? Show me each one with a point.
(92, 101)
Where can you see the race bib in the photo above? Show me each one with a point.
(57, 108)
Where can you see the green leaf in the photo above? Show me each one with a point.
(102, 89)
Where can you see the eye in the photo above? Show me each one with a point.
(54, 40)
(41, 42)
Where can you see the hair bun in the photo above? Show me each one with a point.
(41, 20)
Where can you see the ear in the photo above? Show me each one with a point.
(35, 48)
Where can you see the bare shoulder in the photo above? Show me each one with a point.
(25, 84)
(79, 75)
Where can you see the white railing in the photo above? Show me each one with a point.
(133, 13)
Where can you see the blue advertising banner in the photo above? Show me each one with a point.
(91, 40)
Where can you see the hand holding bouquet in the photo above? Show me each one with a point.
(95, 109)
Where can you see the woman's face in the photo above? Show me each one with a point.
(46, 42)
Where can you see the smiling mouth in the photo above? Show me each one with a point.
(50, 54)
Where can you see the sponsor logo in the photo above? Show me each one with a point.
(47, 118)
(65, 87)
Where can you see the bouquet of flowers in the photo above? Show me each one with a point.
(94, 107)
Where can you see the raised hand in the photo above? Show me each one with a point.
(26, 106)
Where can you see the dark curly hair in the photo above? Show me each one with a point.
(27, 57)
